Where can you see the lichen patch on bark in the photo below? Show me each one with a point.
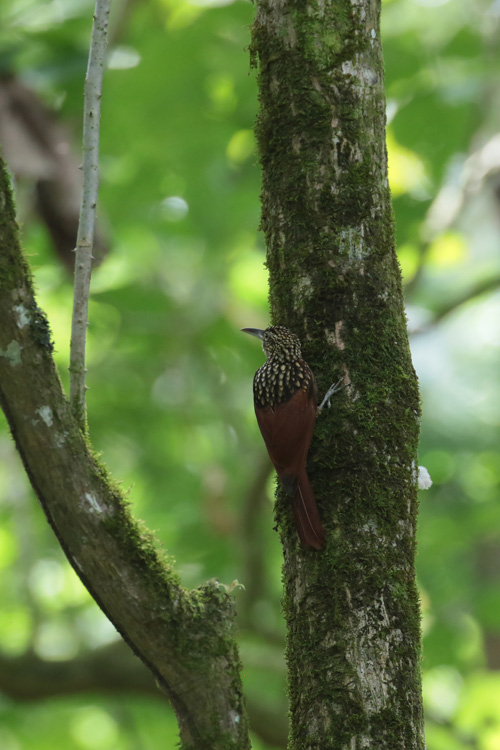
(12, 353)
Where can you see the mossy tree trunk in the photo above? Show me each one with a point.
(352, 610)
(184, 637)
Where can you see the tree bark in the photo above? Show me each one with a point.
(352, 610)
(86, 224)
(184, 637)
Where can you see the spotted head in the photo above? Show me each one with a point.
(279, 344)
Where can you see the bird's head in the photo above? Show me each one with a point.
(278, 343)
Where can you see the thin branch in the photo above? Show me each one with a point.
(485, 286)
(85, 237)
(480, 174)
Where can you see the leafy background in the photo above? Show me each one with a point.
(170, 374)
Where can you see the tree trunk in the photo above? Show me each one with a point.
(352, 609)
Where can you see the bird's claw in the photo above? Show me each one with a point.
(334, 388)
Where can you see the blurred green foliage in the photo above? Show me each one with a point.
(170, 375)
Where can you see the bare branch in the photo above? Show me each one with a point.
(85, 238)
(484, 286)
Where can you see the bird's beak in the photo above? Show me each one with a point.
(254, 332)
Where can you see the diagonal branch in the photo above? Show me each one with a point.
(85, 237)
(184, 637)
(484, 286)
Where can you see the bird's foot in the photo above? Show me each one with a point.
(334, 388)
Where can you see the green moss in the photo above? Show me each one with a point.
(329, 230)
(14, 269)
(40, 330)
(143, 549)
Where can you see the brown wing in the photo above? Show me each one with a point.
(287, 430)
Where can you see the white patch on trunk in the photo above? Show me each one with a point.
(348, 68)
(364, 73)
(12, 353)
(23, 316)
(60, 439)
(369, 656)
(46, 414)
(93, 503)
(305, 286)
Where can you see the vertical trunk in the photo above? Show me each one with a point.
(352, 609)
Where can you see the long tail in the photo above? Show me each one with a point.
(305, 511)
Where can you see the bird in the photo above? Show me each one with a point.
(286, 406)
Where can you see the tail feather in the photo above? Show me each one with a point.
(307, 518)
